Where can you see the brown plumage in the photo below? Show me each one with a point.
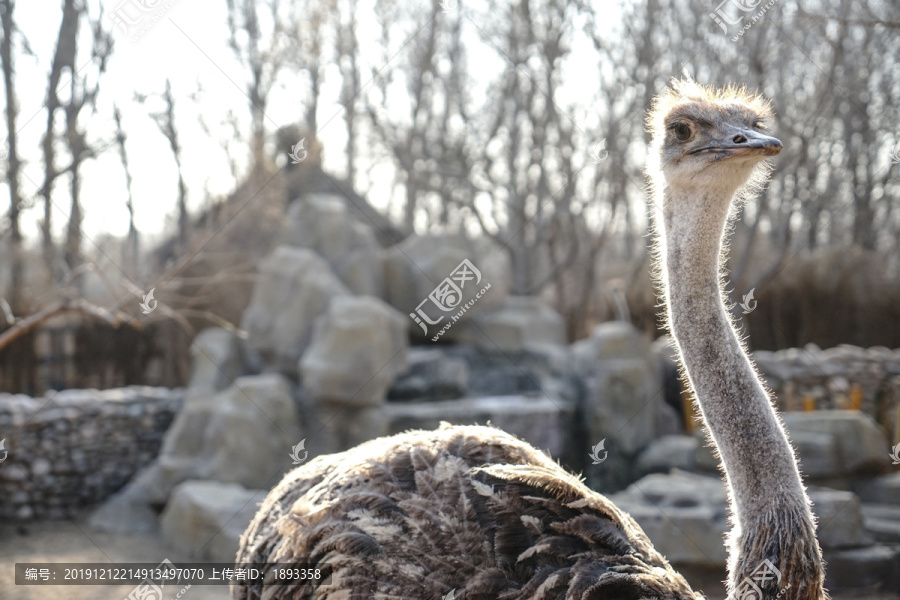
(464, 508)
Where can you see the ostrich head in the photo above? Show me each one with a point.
(714, 139)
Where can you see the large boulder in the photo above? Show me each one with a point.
(432, 375)
(836, 448)
(295, 286)
(433, 277)
(858, 445)
(611, 341)
(215, 360)
(242, 435)
(539, 420)
(521, 322)
(358, 347)
(207, 518)
(884, 489)
(624, 397)
(685, 516)
(324, 223)
(874, 567)
(667, 453)
(882, 522)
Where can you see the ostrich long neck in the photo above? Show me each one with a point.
(757, 458)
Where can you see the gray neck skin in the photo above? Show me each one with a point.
(758, 460)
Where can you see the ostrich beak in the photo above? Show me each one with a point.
(743, 142)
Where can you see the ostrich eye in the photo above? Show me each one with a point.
(681, 130)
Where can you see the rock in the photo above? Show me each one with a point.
(295, 286)
(874, 567)
(834, 447)
(670, 419)
(611, 340)
(324, 223)
(857, 445)
(623, 400)
(840, 519)
(431, 376)
(40, 467)
(519, 323)
(543, 422)
(243, 434)
(683, 514)
(667, 453)
(884, 489)
(421, 265)
(207, 518)
(882, 521)
(358, 347)
(215, 359)
(125, 512)
(623, 396)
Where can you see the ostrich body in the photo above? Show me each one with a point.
(475, 511)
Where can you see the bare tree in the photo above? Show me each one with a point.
(260, 47)
(131, 242)
(165, 121)
(13, 163)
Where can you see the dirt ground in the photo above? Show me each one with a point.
(67, 541)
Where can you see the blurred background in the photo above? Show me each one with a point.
(236, 235)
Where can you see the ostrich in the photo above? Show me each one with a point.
(473, 513)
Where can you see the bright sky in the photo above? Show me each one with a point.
(188, 45)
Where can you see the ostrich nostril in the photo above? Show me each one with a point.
(739, 139)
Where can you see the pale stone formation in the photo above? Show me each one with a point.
(295, 286)
(541, 421)
(518, 324)
(625, 402)
(884, 489)
(207, 518)
(358, 347)
(324, 223)
(215, 360)
(432, 375)
(835, 448)
(685, 516)
(667, 453)
(243, 435)
(416, 266)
